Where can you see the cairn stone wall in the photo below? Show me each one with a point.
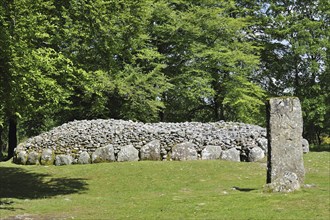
(111, 140)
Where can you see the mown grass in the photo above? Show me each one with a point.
(160, 190)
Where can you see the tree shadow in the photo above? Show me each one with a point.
(325, 148)
(17, 183)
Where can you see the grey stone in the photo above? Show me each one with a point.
(305, 145)
(184, 151)
(285, 153)
(263, 144)
(21, 157)
(150, 151)
(84, 158)
(231, 154)
(211, 152)
(128, 153)
(104, 154)
(47, 157)
(256, 154)
(63, 160)
(89, 136)
(164, 154)
(33, 158)
(286, 183)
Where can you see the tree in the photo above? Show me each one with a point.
(110, 38)
(168, 60)
(32, 72)
(3, 67)
(296, 39)
(206, 50)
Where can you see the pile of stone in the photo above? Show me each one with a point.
(93, 141)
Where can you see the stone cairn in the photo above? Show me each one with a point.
(285, 166)
(94, 141)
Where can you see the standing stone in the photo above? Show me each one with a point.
(288, 183)
(285, 154)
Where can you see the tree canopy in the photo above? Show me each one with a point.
(295, 58)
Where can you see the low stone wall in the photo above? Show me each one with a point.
(83, 142)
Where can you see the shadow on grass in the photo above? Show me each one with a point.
(244, 189)
(319, 148)
(18, 183)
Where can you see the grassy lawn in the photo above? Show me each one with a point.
(160, 190)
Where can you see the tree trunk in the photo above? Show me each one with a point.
(318, 136)
(218, 108)
(1, 143)
(12, 136)
(162, 116)
(222, 112)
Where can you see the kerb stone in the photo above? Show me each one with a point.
(128, 153)
(284, 131)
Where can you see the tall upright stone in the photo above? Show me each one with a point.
(285, 166)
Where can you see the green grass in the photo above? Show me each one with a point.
(160, 190)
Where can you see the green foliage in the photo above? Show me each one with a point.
(111, 38)
(295, 59)
(202, 44)
(141, 91)
(326, 140)
(244, 103)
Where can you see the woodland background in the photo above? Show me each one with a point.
(160, 60)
